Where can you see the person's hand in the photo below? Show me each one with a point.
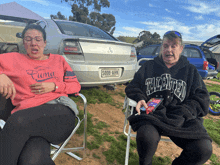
(139, 105)
(7, 88)
(44, 87)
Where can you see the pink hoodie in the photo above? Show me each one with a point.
(24, 71)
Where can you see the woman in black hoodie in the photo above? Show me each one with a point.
(185, 101)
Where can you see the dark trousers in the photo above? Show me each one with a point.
(27, 134)
(195, 151)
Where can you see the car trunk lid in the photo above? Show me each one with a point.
(99, 51)
(211, 42)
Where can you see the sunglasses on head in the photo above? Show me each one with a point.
(176, 32)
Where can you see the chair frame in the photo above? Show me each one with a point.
(60, 148)
(129, 106)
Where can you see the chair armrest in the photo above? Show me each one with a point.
(82, 96)
(131, 102)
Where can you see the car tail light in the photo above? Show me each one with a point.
(133, 52)
(72, 47)
(205, 65)
(217, 65)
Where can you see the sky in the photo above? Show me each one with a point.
(196, 20)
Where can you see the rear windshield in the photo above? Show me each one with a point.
(208, 54)
(147, 50)
(78, 29)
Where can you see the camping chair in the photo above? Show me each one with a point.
(129, 106)
(60, 148)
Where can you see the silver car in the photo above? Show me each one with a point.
(96, 57)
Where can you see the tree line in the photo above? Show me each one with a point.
(81, 13)
(106, 22)
(146, 37)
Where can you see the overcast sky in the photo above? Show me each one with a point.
(194, 19)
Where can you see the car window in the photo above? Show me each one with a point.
(147, 50)
(191, 53)
(157, 51)
(208, 54)
(78, 29)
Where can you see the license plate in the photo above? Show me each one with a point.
(110, 72)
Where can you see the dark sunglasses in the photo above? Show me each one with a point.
(176, 32)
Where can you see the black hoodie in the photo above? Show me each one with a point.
(186, 99)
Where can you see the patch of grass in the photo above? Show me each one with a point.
(122, 94)
(213, 129)
(94, 95)
(213, 87)
(96, 156)
(89, 123)
(117, 150)
(116, 132)
(218, 75)
(118, 105)
(161, 161)
(214, 160)
(101, 125)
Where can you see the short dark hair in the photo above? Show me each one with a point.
(36, 27)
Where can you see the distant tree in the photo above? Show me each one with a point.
(121, 38)
(148, 38)
(58, 16)
(80, 10)
(104, 21)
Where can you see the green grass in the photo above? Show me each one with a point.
(213, 129)
(213, 87)
(214, 160)
(96, 156)
(218, 75)
(95, 95)
(127, 39)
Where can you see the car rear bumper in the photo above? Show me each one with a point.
(90, 75)
(212, 74)
(208, 74)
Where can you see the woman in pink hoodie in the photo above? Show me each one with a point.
(31, 81)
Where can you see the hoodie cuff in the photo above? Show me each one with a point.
(59, 87)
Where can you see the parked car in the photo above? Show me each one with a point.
(96, 57)
(200, 56)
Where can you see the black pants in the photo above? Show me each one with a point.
(27, 134)
(195, 151)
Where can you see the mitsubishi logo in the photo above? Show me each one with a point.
(110, 50)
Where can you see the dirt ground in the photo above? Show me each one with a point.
(115, 118)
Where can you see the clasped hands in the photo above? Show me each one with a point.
(7, 88)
